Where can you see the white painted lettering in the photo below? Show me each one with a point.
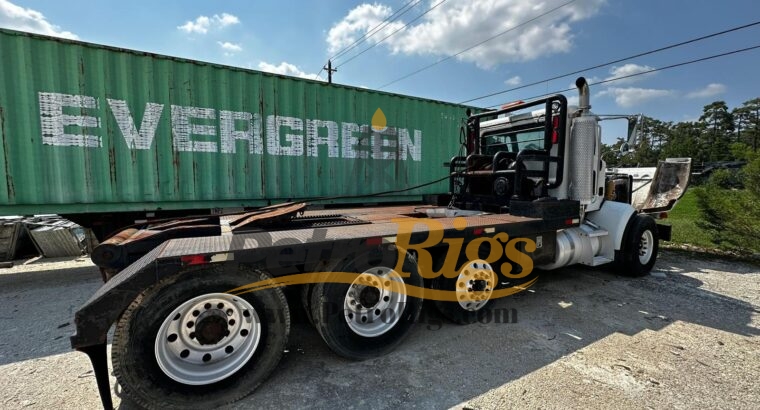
(64, 121)
(314, 140)
(230, 135)
(384, 144)
(356, 147)
(143, 138)
(294, 141)
(407, 146)
(183, 129)
(53, 121)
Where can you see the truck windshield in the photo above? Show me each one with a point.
(512, 141)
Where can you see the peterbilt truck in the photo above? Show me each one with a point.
(198, 306)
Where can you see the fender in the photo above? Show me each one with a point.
(613, 217)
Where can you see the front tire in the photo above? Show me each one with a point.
(186, 343)
(640, 247)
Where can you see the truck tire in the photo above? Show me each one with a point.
(363, 320)
(475, 276)
(640, 247)
(160, 361)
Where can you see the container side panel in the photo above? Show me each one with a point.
(90, 128)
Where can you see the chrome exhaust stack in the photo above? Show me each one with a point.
(583, 147)
(584, 97)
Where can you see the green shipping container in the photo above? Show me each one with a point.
(89, 129)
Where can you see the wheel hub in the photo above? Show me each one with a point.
(479, 285)
(212, 328)
(207, 338)
(475, 285)
(646, 247)
(369, 296)
(374, 302)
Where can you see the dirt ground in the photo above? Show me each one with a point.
(685, 337)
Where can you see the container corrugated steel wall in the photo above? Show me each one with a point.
(89, 128)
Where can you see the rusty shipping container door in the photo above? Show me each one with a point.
(89, 128)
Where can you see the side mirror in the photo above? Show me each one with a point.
(625, 148)
(635, 124)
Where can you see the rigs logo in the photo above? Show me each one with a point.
(475, 280)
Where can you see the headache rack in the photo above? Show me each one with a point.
(491, 180)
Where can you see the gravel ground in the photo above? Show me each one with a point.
(685, 337)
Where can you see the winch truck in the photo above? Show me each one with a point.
(198, 306)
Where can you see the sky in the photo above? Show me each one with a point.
(521, 42)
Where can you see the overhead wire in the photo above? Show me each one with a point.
(667, 67)
(476, 45)
(619, 60)
(398, 13)
(366, 35)
(391, 34)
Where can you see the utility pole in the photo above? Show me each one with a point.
(329, 70)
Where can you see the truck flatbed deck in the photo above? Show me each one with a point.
(356, 227)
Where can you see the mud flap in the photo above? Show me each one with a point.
(664, 232)
(668, 186)
(99, 358)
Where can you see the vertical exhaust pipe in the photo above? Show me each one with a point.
(584, 98)
(582, 168)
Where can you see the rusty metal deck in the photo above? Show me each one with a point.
(379, 225)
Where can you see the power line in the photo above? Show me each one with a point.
(389, 35)
(667, 67)
(366, 35)
(476, 45)
(614, 62)
(377, 28)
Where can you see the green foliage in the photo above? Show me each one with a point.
(740, 151)
(751, 177)
(726, 179)
(732, 216)
(720, 134)
(684, 219)
(725, 212)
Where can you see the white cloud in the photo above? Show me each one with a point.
(202, 24)
(454, 26)
(229, 48)
(286, 69)
(513, 81)
(226, 19)
(710, 90)
(632, 96)
(620, 72)
(357, 22)
(23, 19)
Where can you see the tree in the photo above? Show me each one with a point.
(720, 124)
(741, 121)
(656, 131)
(685, 141)
(751, 109)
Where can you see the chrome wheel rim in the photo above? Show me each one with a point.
(646, 247)
(207, 338)
(374, 302)
(475, 285)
